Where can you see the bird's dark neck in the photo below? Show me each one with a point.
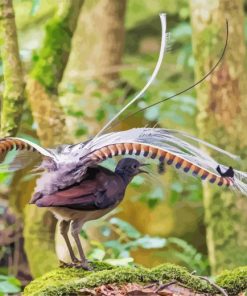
(126, 177)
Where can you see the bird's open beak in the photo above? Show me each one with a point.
(143, 171)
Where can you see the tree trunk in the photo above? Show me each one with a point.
(96, 56)
(13, 96)
(48, 71)
(39, 230)
(11, 112)
(222, 120)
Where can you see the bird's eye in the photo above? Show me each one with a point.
(134, 166)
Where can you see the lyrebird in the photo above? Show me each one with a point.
(76, 189)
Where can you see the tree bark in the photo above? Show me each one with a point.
(96, 55)
(42, 89)
(11, 112)
(222, 120)
(13, 96)
(42, 86)
(101, 24)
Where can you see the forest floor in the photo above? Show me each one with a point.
(108, 280)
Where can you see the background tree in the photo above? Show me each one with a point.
(221, 120)
(99, 44)
(42, 89)
(13, 96)
(12, 102)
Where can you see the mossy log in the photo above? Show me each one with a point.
(71, 281)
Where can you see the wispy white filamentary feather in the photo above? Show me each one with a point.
(181, 153)
(68, 163)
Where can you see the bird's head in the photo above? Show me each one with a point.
(129, 167)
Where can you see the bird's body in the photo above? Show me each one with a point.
(89, 194)
(88, 200)
(76, 189)
(100, 191)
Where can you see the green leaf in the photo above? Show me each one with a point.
(97, 254)
(153, 198)
(81, 130)
(120, 262)
(3, 277)
(97, 244)
(14, 281)
(83, 234)
(100, 115)
(75, 113)
(177, 187)
(9, 284)
(106, 231)
(126, 227)
(116, 247)
(153, 113)
(148, 242)
(137, 181)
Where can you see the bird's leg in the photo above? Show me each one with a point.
(64, 228)
(75, 229)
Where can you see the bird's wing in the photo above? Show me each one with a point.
(17, 153)
(168, 146)
(89, 195)
(73, 197)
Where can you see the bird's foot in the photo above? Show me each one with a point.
(63, 264)
(71, 264)
(77, 264)
(85, 265)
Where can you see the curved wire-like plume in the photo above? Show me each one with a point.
(150, 81)
(182, 91)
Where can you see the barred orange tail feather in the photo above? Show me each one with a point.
(167, 146)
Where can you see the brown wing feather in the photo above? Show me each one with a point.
(95, 192)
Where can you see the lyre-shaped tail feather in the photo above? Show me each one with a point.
(166, 146)
(27, 152)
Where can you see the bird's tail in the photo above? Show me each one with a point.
(24, 153)
(170, 147)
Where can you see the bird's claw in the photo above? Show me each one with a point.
(77, 264)
(84, 265)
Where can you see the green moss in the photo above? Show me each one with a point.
(69, 280)
(61, 280)
(49, 63)
(13, 96)
(52, 58)
(168, 272)
(233, 281)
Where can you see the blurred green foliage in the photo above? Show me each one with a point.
(141, 50)
(118, 251)
(188, 255)
(9, 285)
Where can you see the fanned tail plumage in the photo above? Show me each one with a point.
(166, 146)
(27, 152)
